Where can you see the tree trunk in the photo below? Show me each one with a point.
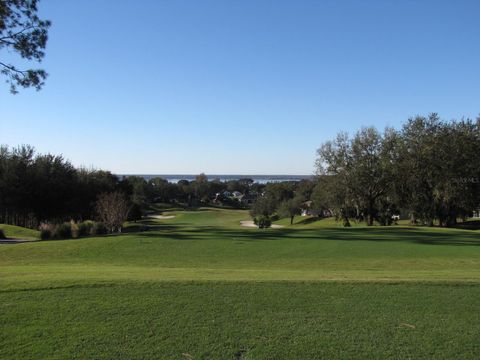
(370, 219)
(370, 213)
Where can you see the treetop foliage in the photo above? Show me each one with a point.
(24, 33)
(429, 168)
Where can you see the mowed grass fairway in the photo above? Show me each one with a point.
(200, 286)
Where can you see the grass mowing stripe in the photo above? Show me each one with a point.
(258, 320)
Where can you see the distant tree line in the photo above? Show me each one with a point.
(47, 189)
(428, 170)
(37, 188)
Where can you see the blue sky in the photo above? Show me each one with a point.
(239, 86)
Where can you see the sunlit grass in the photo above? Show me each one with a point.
(201, 286)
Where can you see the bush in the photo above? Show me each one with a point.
(85, 228)
(45, 234)
(262, 221)
(63, 231)
(46, 231)
(99, 228)
(74, 228)
(2, 234)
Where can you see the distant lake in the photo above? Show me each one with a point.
(261, 179)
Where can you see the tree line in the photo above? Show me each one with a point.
(43, 188)
(429, 170)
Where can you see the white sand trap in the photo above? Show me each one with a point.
(162, 217)
(250, 223)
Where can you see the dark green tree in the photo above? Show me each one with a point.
(333, 189)
(290, 208)
(371, 170)
(262, 210)
(22, 32)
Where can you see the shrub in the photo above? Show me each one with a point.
(262, 221)
(74, 228)
(99, 228)
(85, 228)
(45, 234)
(2, 234)
(63, 231)
(46, 231)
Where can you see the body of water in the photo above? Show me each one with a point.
(261, 179)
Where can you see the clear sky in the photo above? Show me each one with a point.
(239, 86)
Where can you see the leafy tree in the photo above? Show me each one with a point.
(135, 212)
(439, 165)
(186, 191)
(263, 206)
(262, 210)
(330, 194)
(53, 190)
(278, 192)
(245, 185)
(24, 33)
(290, 208)
(370, 171)
(200, 187)
(89, 185)
(304, 189)
(333, 189)
(362, 169)
(418, 165)
(139, 188)
(430, 168)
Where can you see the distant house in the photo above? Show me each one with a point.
(237, 195)
(307, 210)
(246, 199)
(220, 197)
(311, 212)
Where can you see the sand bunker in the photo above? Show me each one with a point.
(162, 217)
(250, 223)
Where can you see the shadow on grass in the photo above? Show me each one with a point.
(411, 235)
(308, 221)
(469, 225)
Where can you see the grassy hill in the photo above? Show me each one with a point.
(18, 232)
(200, 286)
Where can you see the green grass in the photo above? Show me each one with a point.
(242, 320)
(203, 286)
(17, 232)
